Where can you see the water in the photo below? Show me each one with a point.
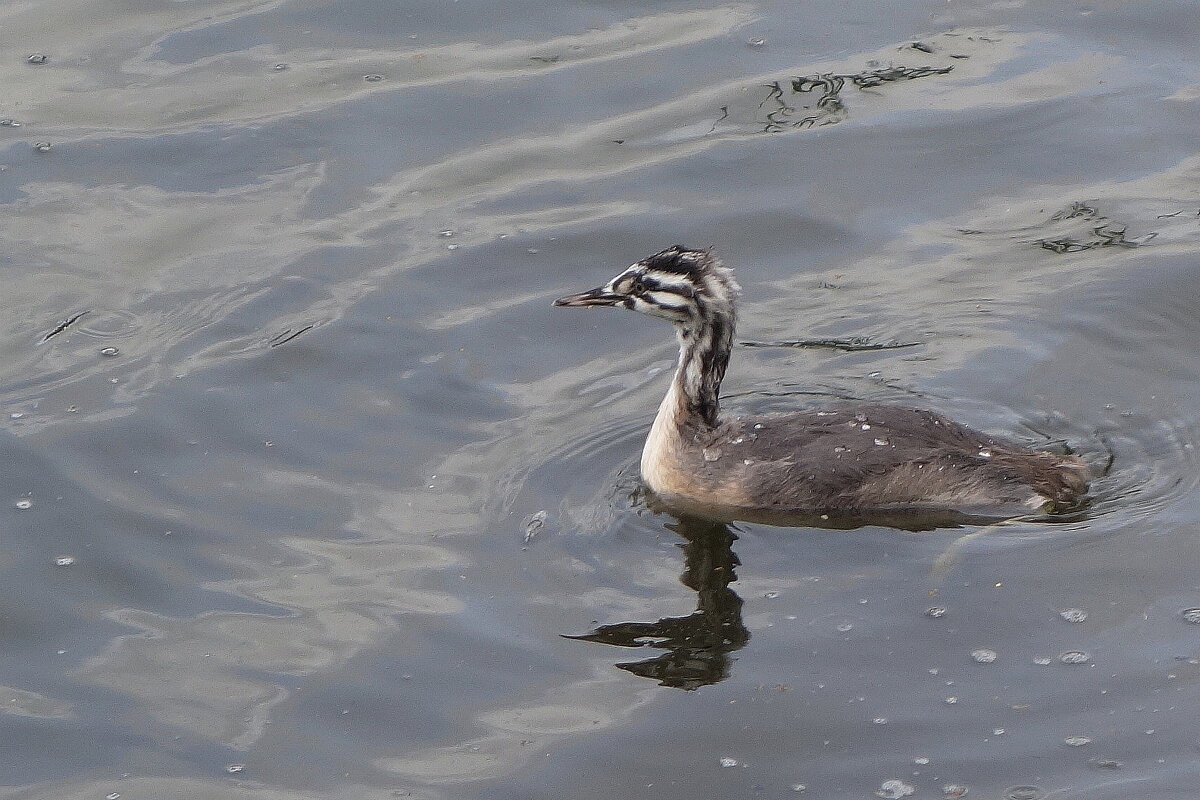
(352, 514)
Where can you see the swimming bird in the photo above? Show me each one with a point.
(843, 459)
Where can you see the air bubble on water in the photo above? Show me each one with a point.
(1073, 614)
(953, 791)
(983, 656)
(880, 720)
(109, 351)
(42, 147)
(844, 627)
(280, 67)
(1022, 793)
(921, 760)
(1077, 741)
(712, 453)
(452, 246)
(234, 769)
(729, 762)
(894, 789)
(798, 787)
(881, 443)
(37, 58)
(24, 504)
(1191, 615)
(1074, 657)
(1042, 660)
(64, 561)
(935, 612)
(756, 42)
(372, 77)
(951, 700)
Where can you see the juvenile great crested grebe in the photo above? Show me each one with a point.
(848, 459)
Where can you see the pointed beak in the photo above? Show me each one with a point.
(596, 297)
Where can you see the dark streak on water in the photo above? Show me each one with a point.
(851, 345)
(360, 565)
(285, 336)
(62, 326)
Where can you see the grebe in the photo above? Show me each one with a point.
(842, 460)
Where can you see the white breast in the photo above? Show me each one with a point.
(660, 455)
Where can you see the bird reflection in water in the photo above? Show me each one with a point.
(697, 647)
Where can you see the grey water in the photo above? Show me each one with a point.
(307, 492)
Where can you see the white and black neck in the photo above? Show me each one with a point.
(704, 349)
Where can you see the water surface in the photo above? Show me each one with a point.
(282, 392)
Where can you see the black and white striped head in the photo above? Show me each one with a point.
(689, 287)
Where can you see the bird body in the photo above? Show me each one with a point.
(851, 459)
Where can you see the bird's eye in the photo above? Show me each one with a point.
(631, 284)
